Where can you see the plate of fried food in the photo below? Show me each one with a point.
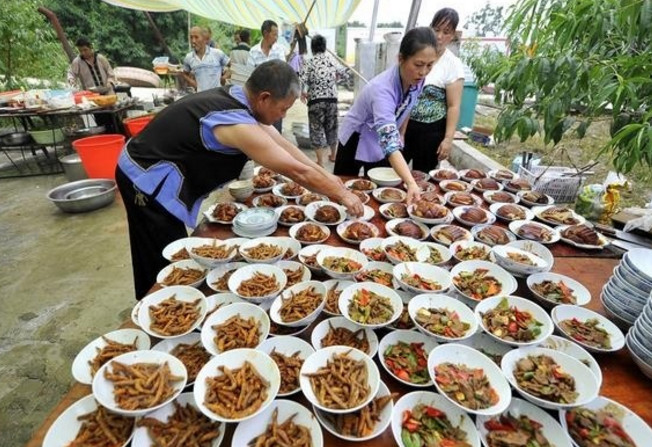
(218, 278)
(295, 272)
(429, 213)
(256, 283)
(517, 185)
(189, 349)
(237, 326)
(327, 213)
(289, 354)
(217, 301)
(356, 231)
(263, 183)
(223, 213)
(461, 198)
(534, 198)
(366, 423)
(309, 197)
(299, 305)
(180, 418)
(96, 353)
(182, 273)
(447, 234)
(421, 277)
(492, 234)
(473, 215)
(389, 195)
(308, 256)
(176, 250)
(393, 210)
(269, 201)
(441, 174)
(483, 185)
(471, 251)
(369, 304)
(339, 379)
(407, 228)
(442, 317)
(210, 253)
(479, 280)
(404, 354)
(502, 175)
(558, 215)
(499, 197)
(378, 272)
(510, 212)
(135, 383)
(283, 420)
(373, 250)
(334, 289)
(263, 250)
(468, 175)
(361, 185)
(289, 190)
(172, 312)
(582, 236)
(368, 213)
(403, 249)
(289, 215)
(534, 231)
(85, 420)
(309, 233)
(455, 186)
(338, 331)
(232, 374)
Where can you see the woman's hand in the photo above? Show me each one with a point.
(444, 149)
(353, 204)
(413, 193)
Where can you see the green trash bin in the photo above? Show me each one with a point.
(469, 100)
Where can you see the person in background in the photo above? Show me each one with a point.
(240, 52)
(201, 142)
(319, 82)
(431, 129)
(90, 70)
(202, 67)
(209, 38)
(372, 132)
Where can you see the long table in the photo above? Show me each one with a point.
(622, 380)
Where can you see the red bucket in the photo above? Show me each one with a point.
(134, 126)
(99, 154)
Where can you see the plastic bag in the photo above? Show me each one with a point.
(589, 202)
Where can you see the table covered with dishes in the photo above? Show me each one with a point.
(483, 314)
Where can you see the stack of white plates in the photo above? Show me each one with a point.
(639, 340)
(255, 222)
(628, 289)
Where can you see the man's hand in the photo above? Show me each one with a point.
(352, 204)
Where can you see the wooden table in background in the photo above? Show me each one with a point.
(622, 380)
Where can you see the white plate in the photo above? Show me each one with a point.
(460, 210)
(494, 175)
(277, 191)
(367, 214)
(538, 210)
(267, 188)
(478, 228)
(384, 176)
(434, 172)
(142, 437)
(385, 267)
(281, 201)
(463, 355)
(342, 228)
(103, 388)
(520, 195)
(458, 246)
(393, 338)
(168, 346)
(65, 428)
(209, 212)
(261, 362)
(464, 174)
(340, 252)
(215, 274)
(488, 346)
(582, 294)
(444, 252)
(271, 241)
(173, 247)
(445, 185)
(247, 272)
(427, 271)
(181, 293)
(377, 193)
(566, 346)
(188, 263)
(81, 369)
(477, 201)
(293, 266)
(507, 281)
(318, 197)
(349, 184)
(389, 227)
(280, 210)
(347, 297)
(502, 252)
(295, 228)
(320, 331)
(467, 235)
(312, 208)
(219, 300)
(494, 208)
(288, 346)
(383, 211)
(274, 311)
(439, 301)
(488, 197)
(244, 311)
(516, 225)
(447, 218)
(476, 185)
(310, 250)
(603, 240)
(565, 312)
(340, 284)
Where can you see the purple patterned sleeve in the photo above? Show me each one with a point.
(389, 139)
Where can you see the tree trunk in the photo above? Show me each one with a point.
(158, 34)
(52, 17)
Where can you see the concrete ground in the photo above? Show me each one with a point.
(65, 279)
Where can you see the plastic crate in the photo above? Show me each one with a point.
(554, 181)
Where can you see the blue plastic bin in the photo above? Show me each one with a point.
(469, 100)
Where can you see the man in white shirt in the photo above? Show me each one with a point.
(202, 67)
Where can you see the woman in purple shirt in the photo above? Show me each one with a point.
(372, 132)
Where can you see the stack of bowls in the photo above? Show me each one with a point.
(639, 340)
(255, 222)
(628, 289)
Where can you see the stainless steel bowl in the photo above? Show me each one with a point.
(73, 168)
(83, 195)
(16, 139)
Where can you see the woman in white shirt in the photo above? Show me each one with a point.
(430, 131)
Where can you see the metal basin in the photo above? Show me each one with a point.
(73, 168)
(83, 195)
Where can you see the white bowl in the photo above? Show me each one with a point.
(209, 211)
(241, 190)
(245, 273)
(384, 210)
(368, 213)
(320, 331)
(459, 210)
(245, 311)
(586, 384)
(181, 293)
(550, 428)
(464, 174)
(637, 429)
(385, 418)
(582, 294)
(277, 190)
(188, 263)
(341, 252)
(457, 417)
(294, 228)
(261, 362)
(495, 208)
(506, 280)
(214, 275)
(539, 210)
(413, 244)
(426, 271)
(535, 248)
(517, 224)
(448, 217)
(409, 337)
(168, 346)
(319, 360)
(312, 208)
(81, 369)
(384, 176)
(280, 210)
(349, 184)
(377, 193)
(288, 346)
(565, 312)
(488, 197)
(274, 241)
(389, 227)
(434, 172)
(274, 311)
(522, 305)
(298, 200)
(448, 199)
(479, 189)
(103, 388)
(566, 346)
(248, 430)
(173, 247)
(433, 234)
(293, 266)
(342, 229)
(445, 186)
(257, 201)
(640, 261)
(502, 252)
(385, 267)
(494, 174)
(292, 248)
(65, 428)
(444, 252)
(371, 244)
(238, 241)
(463, 355)
(347, 297)
(309, 251)
(520, 195)
(142, 436)
(455, 247)
(339, 286)
(438, 301)
(207, 262)
(488, 346)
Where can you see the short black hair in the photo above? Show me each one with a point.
(276, 77)
(244, 35)
(318, 44)
(416, 40)
(267, 26)
(445, 16)
(83, 41)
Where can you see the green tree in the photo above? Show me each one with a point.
(571, 61)
(28, 47)
(488, 21)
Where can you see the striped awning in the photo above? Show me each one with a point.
(252, 13)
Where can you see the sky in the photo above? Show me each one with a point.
(398, 10)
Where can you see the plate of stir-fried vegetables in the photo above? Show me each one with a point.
(404, 354)
(478, 280)
(370, 304)
(553, 289)
(419, 277)
(442, 317)
(588, 328)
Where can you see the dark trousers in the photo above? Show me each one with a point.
(421, 143)
(151, 228)
(346, 163)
